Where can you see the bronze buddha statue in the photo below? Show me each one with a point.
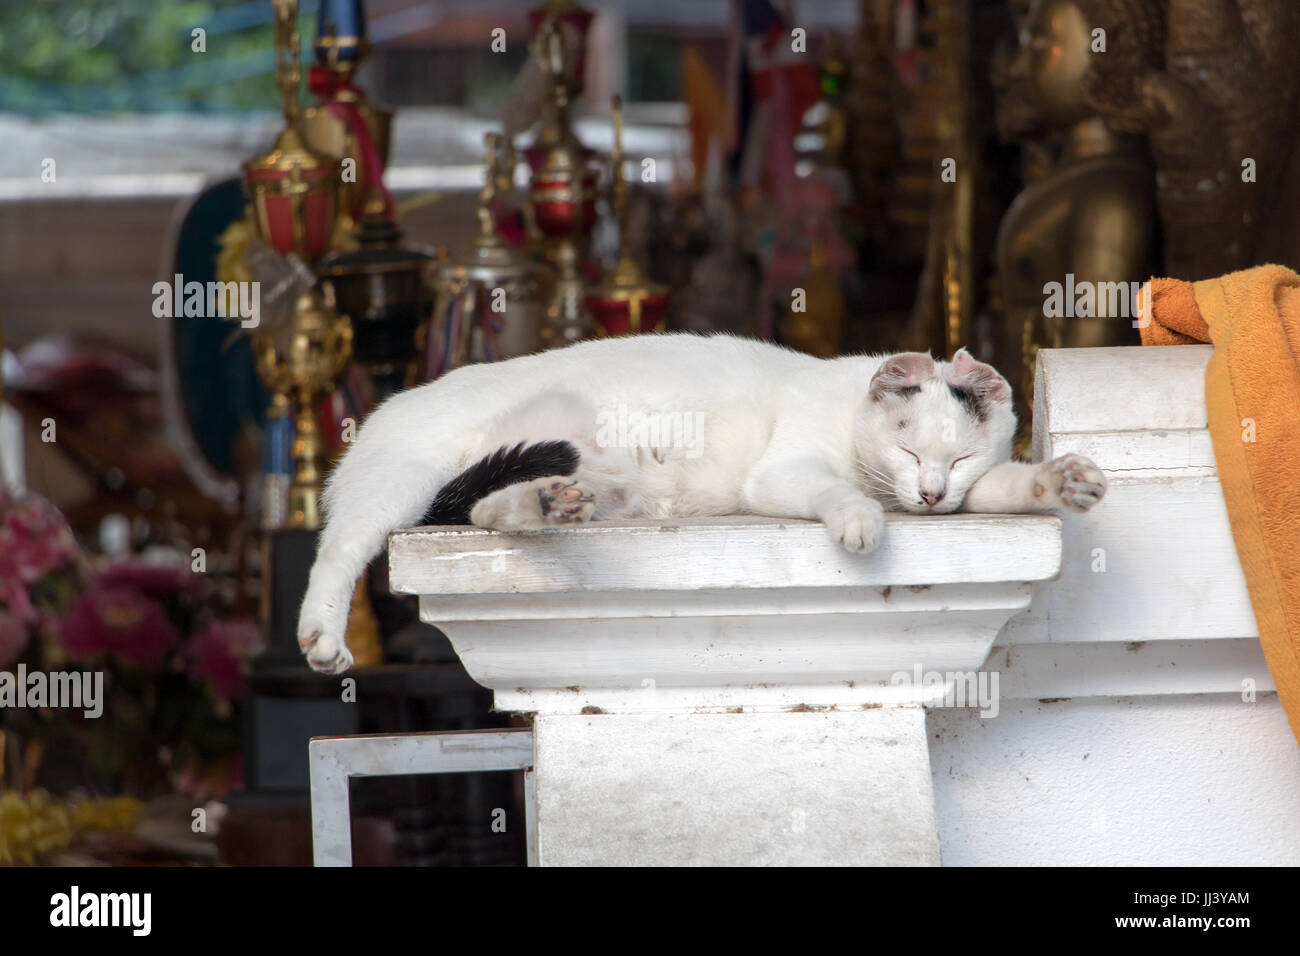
(1221, 114)
(1091, 217)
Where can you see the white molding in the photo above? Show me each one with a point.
(706, 553)
(722, 613)
(1137, 669)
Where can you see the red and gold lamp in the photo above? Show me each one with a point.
(626, 302)
(572, 14)
(563, 185)
(562, 191)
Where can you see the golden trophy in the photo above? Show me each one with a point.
(293, 189)
(294, 194)
(320, 344)
(490, 305)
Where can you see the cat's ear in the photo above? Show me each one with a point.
(979, 380)
(901, 374)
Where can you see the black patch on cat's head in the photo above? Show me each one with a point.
(969, 401)
(909, 390)
(978, 386)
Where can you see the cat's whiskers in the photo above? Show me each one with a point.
(874, 474)
(876, 481)
(879, 483)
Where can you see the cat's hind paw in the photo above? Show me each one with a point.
(534, 505)
(565, 501)
(1071, 481)
(327, 655)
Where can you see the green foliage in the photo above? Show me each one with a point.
(135, 55)
(654, 67)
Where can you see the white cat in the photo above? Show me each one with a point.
(670, 426)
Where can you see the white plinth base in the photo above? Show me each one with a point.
(752, 789)
(724, 691)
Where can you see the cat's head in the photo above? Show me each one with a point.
(927, 430)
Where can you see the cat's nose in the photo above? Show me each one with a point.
(932, 498)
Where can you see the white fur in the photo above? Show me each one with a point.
(783, 435)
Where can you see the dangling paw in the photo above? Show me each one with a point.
(1071, 482)
(328, 655)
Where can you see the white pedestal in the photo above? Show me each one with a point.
(728, 691)
(847, 788)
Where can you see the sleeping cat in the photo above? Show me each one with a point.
(668, 426)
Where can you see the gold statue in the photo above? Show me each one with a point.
(1091, 218)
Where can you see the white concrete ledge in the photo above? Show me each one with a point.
(721, 613)
(694, 554)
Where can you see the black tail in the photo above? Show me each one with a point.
(504, 467)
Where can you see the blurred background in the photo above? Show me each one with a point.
(389, 189)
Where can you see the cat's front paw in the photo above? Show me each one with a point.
(857, 525)
(1070, 481)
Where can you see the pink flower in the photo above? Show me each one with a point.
(34, 539)
(14, 635)
(118, 621)
(218, 652)
(14, 594)
(145, 577)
